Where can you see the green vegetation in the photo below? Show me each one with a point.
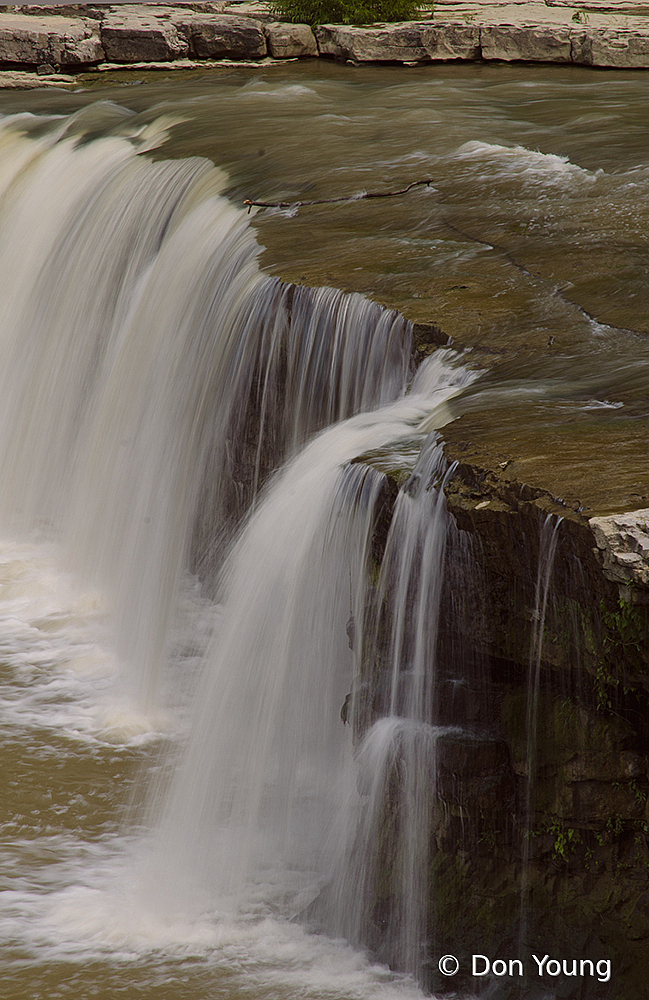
(566, 841)
(623, 647)
(627, 627)
(347, 11)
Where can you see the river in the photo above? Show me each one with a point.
(529, 248)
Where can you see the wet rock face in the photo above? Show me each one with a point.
(546, 768)
(474, 773)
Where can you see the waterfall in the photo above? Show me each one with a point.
(166, 408)
(154, 376)
(548, 540)
(382, 893)
(265, 784)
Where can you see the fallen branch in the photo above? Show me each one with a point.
(331, 201)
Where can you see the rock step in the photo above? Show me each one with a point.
(141, 34)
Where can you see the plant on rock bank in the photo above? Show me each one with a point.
(347, 11)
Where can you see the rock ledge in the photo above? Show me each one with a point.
(86, 35)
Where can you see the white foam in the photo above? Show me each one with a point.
(89, 909)
(59, 673)
(529, 166)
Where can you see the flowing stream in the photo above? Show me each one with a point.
(189, 588)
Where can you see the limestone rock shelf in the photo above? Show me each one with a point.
(90, 36)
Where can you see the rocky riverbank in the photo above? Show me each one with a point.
(50, 40)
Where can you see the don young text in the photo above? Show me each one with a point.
(542, 966)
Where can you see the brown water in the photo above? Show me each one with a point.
(530, 248)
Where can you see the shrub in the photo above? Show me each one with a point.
(347, 11)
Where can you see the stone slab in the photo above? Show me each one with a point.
(526, 43)
(223, 36)
(623, 546)
(179, 65)
(621, 49)
(451, 41)
(22, 80)
(53, 41)
(502, 30)
(405, 42)
(138, 36)
(290, 41)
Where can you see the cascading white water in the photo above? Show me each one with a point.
(264, 787)
(548, 541)
(85, 218)
(381, 891)
(145, 358)
(155, 380)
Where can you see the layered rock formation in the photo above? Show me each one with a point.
(543, 783)
(543, 796)
(74, 36)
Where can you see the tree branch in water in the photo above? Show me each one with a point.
(331, 201)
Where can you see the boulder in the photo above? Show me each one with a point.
(622, 49)
(290, 41)
(223, 36)
(50, 41)
(513, 43)
(407, 42)
(130, 36)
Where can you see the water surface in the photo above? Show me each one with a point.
(530, 247)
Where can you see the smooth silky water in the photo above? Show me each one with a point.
(178, 785)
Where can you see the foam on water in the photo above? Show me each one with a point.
(69, 896)
(530, 167)
(58, 669)
(76, 915)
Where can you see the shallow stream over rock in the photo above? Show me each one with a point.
(530, 246)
